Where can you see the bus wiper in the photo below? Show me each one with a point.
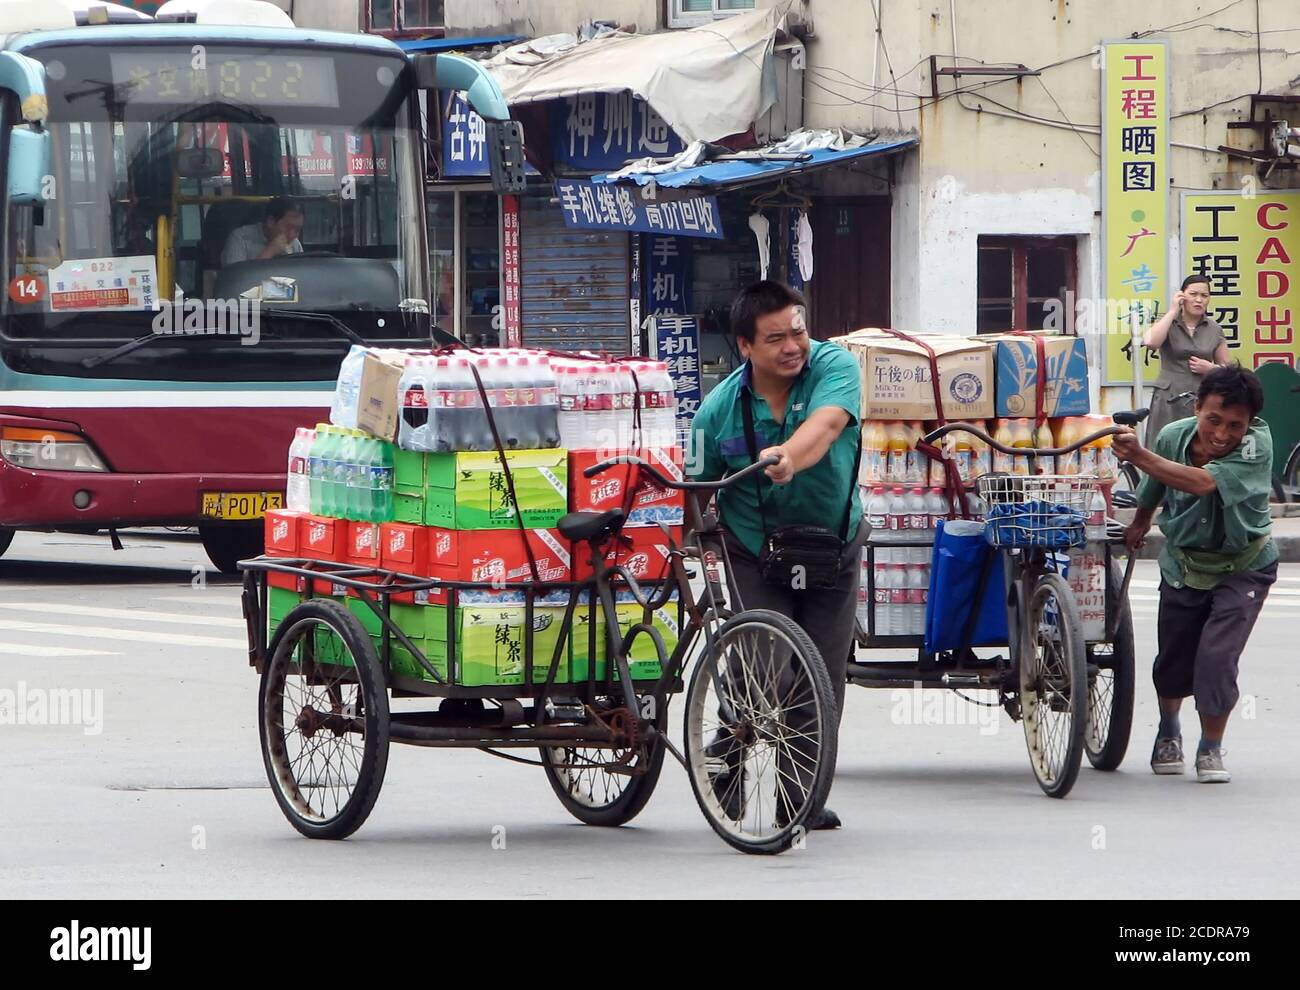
(96, 360)
(306, 314)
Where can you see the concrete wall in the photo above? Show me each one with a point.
(327, 15)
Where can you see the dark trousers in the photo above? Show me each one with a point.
(1202, 635)
(826, 615)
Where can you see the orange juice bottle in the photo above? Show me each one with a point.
(916, 461)
(981, 454)
(1107, 462)
(1022, 435)
(1044, 463)
(873, 452)
(896, 452)
(1004, 433)
(1067, 432)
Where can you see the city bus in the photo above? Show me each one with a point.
(148, 376)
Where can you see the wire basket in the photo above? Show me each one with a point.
(1046, 510)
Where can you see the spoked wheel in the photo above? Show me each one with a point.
(1053, 685)
(1110, 687)
(760, 732)
(1124, 492)
(324, 720)
(606, 786)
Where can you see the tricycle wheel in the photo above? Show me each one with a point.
(324, 720)
(1110, 689)
(1053, 685)
(760, 731)
(596, 795)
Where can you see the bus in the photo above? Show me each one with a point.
(149, 376)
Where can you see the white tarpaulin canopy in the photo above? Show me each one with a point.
(707, 82)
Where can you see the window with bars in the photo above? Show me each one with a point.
(1023, 280)
(687, 13)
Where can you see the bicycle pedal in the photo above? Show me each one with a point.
(563, 712)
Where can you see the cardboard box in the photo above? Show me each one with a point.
(361, 546)
(491, 644)
(479, 556)
(468, 490)
(379, 407)
(643, 660)
(644, 552)
(1066, 393)
(896, 376)
(320, 537)
(282, 530)
(650, 504)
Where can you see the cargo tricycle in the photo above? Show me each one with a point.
(333, 642)
(1072, 692)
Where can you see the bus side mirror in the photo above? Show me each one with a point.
(29, 164)
(505, 141)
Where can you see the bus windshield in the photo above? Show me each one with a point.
(203, 178)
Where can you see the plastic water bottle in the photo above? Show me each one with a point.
(548, 402)
(936, 505)
(329, 446)
(347, 392)
(316, 469)
(897, 510)
(880, 598)
(899, 614)
(625, 399)
(297, 486)
(346, 476)
(918, 513)
(569, 412)
(916, 592)
(1095, 520)
(657, 401)
(382, 482)
(878, 509)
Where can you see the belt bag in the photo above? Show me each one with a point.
(799, 556)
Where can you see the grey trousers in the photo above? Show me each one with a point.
(1202, 635)
(827, 616)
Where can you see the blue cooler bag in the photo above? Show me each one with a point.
(959, 562)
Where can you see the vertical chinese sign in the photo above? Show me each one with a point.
(668, 278)
(1247, 248)
(1134, 195)
(676, 340)
(511, 321)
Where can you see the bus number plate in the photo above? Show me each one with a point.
(240, 505)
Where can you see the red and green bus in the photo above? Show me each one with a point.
(132, 153)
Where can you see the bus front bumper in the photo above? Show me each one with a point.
(54, 499)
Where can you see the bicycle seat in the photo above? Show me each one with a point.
(590, 525)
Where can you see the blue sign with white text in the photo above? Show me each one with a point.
(464, 139)
(590, 206)
(668, 276)
(601, 131)
(676, 340)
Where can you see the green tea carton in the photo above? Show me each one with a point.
(469, 489)
(491, 644)
(644, 659)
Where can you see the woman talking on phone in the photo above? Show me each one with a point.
(1191, 344)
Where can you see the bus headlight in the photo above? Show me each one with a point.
(48, 450)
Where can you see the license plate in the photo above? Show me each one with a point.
(240, 505)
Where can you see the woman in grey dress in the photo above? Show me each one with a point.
(1190, 345)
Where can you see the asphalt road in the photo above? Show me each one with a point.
(161, 791)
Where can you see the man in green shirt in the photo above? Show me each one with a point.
(1213, 474)
(804, 397)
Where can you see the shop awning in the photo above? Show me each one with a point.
(721, 174)
(707, 83)
(455, 44)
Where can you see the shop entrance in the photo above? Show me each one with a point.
(850, 284)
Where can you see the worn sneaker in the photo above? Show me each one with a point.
(1167, 756)
(1209, 768)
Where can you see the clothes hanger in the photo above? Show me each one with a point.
(780, 198)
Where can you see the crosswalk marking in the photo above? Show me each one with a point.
(33, 650)
(130, 635)
(134, 615)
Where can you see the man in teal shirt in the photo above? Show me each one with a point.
(804, 397)
(1213, 474)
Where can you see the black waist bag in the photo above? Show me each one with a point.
(799, 556)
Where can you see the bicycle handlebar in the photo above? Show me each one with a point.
(1134, 417)
(685, 486)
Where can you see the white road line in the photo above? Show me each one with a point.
(130, 635)
(205, 598)
(133, 615)
(32, 650)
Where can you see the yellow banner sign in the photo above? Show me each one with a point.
(1135, 194)
(1247, 245)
